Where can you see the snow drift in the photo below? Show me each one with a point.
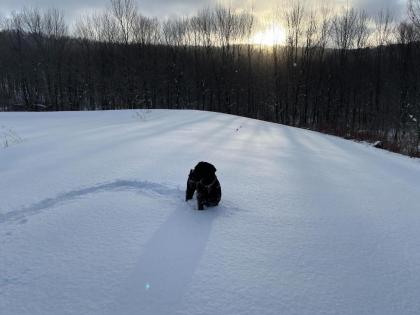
(93, 218)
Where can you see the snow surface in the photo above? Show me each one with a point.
(93, 218)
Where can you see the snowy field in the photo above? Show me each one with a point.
(93, 218)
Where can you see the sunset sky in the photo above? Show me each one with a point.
(167, 8)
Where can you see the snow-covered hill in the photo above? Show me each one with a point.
(93, 218)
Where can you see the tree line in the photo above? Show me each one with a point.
(344, 73)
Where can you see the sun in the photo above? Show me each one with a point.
(272, 35)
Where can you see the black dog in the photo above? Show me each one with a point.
(203, 179)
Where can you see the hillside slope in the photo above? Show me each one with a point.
(93, 218)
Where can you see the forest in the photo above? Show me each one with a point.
(342, 72)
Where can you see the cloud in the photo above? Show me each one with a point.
(396, 7)
(167, 8)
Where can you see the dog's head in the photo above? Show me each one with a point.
(204, 170)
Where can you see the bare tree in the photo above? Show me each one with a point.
(362, 30)
(321, 72)
(227, 31)
(294, 21)
(125, 12)
(54, 26)
(311, 29)
(383, 28)
(15, 27)
(97, 27)
(145, 30)
(347, 74)
(344, 30)
(414, 12)
(2, 22)
(382, 37)
(202, 28)
(248, 26)
(408, 112)
(175, 35)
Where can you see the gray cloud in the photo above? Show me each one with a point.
(396, 7)
(166, 8)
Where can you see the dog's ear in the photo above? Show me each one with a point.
(212, 168)
(200, 169)
(194, 175)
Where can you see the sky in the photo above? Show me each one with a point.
(168, 8)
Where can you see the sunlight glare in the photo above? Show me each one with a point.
(273, 35)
